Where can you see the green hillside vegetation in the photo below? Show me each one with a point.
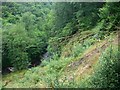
(61, 45)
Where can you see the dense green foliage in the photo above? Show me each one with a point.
(30, 30)
(24, 39)
(107, 74)
(57, 35)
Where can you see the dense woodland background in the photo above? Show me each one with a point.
(37, 32)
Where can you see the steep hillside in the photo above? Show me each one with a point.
(68, 70)
(60, 45)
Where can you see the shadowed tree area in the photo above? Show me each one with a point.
(52, 35)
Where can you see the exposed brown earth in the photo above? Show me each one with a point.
(85, 64)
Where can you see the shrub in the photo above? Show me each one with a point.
(53, 46)
(77, 49)
(67, 30)
(20, 49)
(107, 73)
(14, 43)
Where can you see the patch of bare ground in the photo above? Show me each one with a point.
(84, 65)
